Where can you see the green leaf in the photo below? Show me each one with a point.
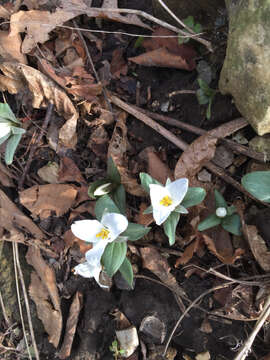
(189, 21)
(95, 185)
(231, 210)
(11, 147)
(182, 40)
(113, 257)
(205, 88)
(119, 197)
(112, 172)
(127, 272)
(148, 210)
(201, 97)
(220, 201)
(257, 183)
(7, 113)
(138, 42)
(211, 221)
(105, 203)
(146, 180)
(232, 224)
(135, 231)
(197, 28)
(17, 130)
(181, 209)
(194, 196)
(170, 226)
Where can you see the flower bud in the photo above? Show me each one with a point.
(221, 212)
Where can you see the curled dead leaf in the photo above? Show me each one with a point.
(258, 247)
(10, 47)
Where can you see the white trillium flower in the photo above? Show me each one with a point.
(88, 270)
(4, 129)
(166, 198)
(99, 234)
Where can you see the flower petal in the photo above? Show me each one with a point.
(116, 223)
(161, 213)
(87, 230)
(177, 190)
(84, 269)
(93, 256)
(157, 192)
(4, 129)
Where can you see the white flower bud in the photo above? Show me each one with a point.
(221, 212)
(103, 189)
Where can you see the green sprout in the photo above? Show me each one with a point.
(196, 27)
(116, 350)
(205, 95)
(224, 215)
(10, 131)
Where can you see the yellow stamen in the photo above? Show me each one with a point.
(103, 234)
(166, 201)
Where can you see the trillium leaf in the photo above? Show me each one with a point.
(231, 210)
(220, 201)
(148, 210)
(135, 231)
(127, 272)
(170, 226)
(105, 203)
(94, 186)
(232, 224)
(201, 97)
(112, 172)
(4, 138)
(7, 113)
(194, 196)
(257, 184)
(146, 180)
(181, 209)
(211, 221)
(119, 197)
(17, 130)
(113, 257)
(11, 147)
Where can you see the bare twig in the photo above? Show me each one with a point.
(34, 146)
(181, 144)
(243, 353)
(4, 311)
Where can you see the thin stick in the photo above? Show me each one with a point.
(34, 146)
(181, 144)
(4, 311)
(198, 131)
(19, 300)
(243, 353)
(27, 306)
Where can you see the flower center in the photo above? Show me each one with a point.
(103, 234)
(166, 201)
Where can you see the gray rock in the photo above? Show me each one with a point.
(246, 70)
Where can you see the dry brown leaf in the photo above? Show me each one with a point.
(42, 289)
(144, 219)
(44, 200)
(117, 151)
(19, 76)
(71, 325)
(258, 247)
(118, 64)
(153, 261)
(156, 167)
(223, 255)
(11, 216)
(5, 176)
(69, 171)
(98, 142)
(10, 47)
(71, 240)
(187, 255)
(198, 153)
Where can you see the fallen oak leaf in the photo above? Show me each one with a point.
(10, 47)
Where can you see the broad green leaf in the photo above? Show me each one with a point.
(220, 201)
(95, 185)
(232, 224)
(170, 226)
(105, 203)
(231, 210)
(127, 272)
(7, 113)
(11, 147)
(113, 257)
(201, 97)
(257, 184)
(146, 180)
(112, 172)
(17, 130)
(211, 221)
(135, 231)
(194, 196)
(119, 197)
(4, 138)
(181, 209)
(148, 210)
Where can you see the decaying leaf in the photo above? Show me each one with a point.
(71, 325)
(11, 216)
(19, 76)
(43, 290)
(5, 176)
(71, 240)
(144, 219)
(117, 151)
(49, 173)
(44, 200)
(98, 141)
(69, 171)
(258, 247)
(199, 153)
(10, 47)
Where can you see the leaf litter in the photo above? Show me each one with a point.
(49, 64)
